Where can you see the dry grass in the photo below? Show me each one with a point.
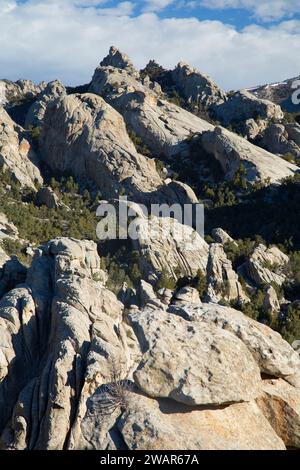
(115, 393)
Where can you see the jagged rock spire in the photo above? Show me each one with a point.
(196, 87)
(153, 68)
(119, 60)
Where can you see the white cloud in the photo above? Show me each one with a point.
(7, 5)
(55, 39)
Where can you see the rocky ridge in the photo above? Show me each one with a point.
(117, 346)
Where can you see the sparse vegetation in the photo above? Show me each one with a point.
(289, 324)
(254, 308)
(34, 133)
(166, 281)
(159, 166)
(114, 394)
(290, 118)
(139, 144)
(74, 218)
(15, 248)
(289, 157)
(122, 266)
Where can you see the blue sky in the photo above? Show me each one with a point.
(240, 43)
(239, 13)
(239, 16)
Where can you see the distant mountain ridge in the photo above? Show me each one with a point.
(280, 93)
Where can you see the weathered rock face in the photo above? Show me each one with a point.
(7, 229)
(12, 273)
(197, 88)
(186, 295)
(46, 197)
(271, 302)
(220, 236)
(36, 113)
(85, 136)
(276, 140)
(252, 128)
(11, 92)
(202, 365)
(119, 60)
(147, 296)
(280, 403)
(165, 295)
(274, 356)
(233, 151)
(293, 131)
(223, 282)
(67, 360)
(244, 105)
(266, 265)
(162, 126)
(166, 245)
(16, 154)
(74, 323)
(17, 311)
(154, 424)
